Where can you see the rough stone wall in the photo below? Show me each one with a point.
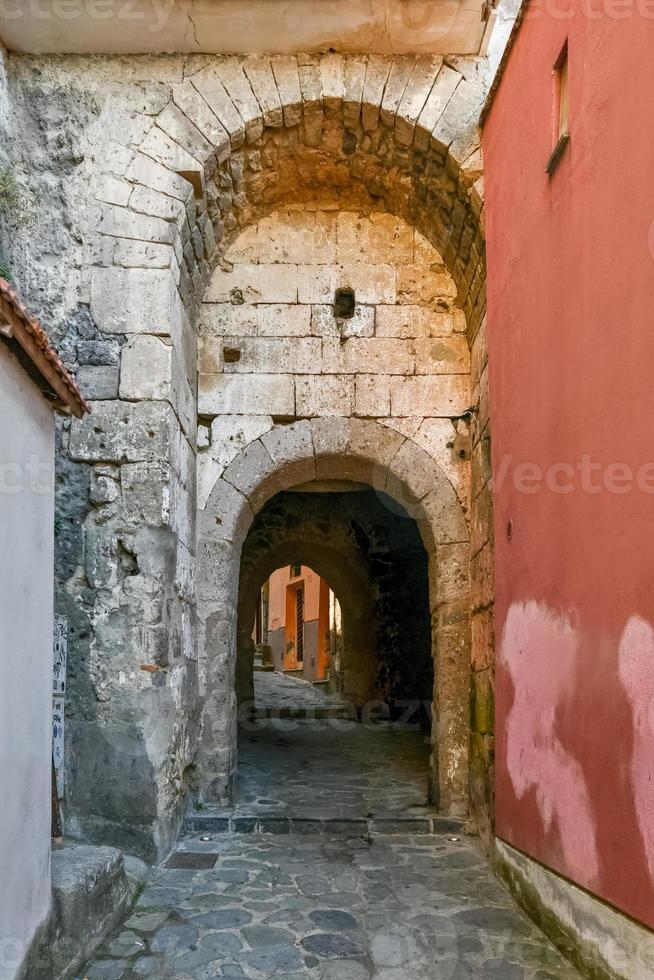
(144, 171)
(271, 347)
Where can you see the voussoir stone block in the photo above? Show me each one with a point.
(227, 515)
(286, 443)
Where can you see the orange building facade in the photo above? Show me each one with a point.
(294, 621)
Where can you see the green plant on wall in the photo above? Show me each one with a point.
(16, 204)
(11, 196)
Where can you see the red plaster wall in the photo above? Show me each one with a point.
(571, 356)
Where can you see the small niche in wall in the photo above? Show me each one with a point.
(344, 303)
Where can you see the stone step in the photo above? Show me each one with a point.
(240, 822)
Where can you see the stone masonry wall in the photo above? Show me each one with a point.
(271, 348)
(143, 172)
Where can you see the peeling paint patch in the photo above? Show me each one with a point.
(539, 650)
(636, 657)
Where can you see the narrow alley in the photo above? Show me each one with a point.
(326, 483)
(331, 867)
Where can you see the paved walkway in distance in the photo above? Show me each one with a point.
(393, 908)
(273, 690)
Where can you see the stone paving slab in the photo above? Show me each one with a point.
(388, 908)
(344, 768)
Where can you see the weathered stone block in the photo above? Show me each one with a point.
(98, 352)
(274, 355)
(440, 94)
(98, 381)
(231, 435)
(197, 109)
(371, 283)
(444, 396)
(100, 556)
(144, 255)
(254, 284)
(415, 96)
(146, 368)
(372, 395)
(286, 443)
(211, 359)
(482, 578)
(398, 78)
(135, 301)
(297, 237)
(373, 90)
(146, 492)
(482, 519)
(442, 355)
(279, 320)
(452, 570)
(262, 80)
(144, 170)
(227, 515)
(125, 223)
(212, 90)
(123, 432)
(253, 394)
(368, 356)
(482, 702)
(223, 319)
(423, 286)
(482, 640)
(412, 321)
(218, 565)
(321, 395)
(376, 239)
(285, 69)
(325, 324)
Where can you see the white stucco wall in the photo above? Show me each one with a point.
(26, 601)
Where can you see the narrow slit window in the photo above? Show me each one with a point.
(561, 70)
(561, 109)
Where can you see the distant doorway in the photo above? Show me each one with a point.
(296, 616)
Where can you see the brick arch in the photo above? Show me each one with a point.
(333, 449)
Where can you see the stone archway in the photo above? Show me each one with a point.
(334, 449)
(236, 139)
(370, 553)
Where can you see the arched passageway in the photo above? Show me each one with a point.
(388, 148)
(370, 551)
(333, 449)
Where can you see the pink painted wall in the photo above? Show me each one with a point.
(571, 356)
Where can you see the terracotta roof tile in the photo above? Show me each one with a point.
(51, 375)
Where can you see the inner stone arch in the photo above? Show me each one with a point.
(370, 552)
(334, 448)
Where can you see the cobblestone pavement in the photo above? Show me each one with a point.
(331, 767)
(274, 690)
(394, 908)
